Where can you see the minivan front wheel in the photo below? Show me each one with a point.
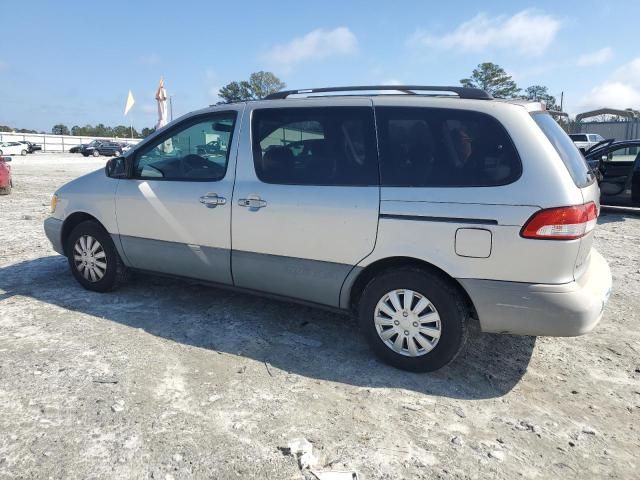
(413, 319)
(93, 258)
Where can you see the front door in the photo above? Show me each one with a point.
(305, 206)
(619, 165)
(174, 214)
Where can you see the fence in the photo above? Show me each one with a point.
(57, 143)
(617, 130)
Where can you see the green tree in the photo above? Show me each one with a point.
(493, 79)
(147, 131)
(259, 85)
(540, 93)
(60, 129)
(123, 132)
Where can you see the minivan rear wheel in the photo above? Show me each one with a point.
(93, 258)
(413, 319)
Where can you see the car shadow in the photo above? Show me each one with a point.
(297, 339)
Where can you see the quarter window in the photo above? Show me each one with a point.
(315, 146)
(569, 153)
(433, 147)
(196, 151)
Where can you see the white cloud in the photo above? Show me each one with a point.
(620, 90)
(392, 81)
(317, 44)
(595, 58)
(526, 32)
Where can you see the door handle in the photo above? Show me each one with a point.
(212, 200)
(253, 202)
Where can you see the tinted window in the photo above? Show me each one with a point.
(578, 138)
(315, 146)
(433, 147)
(196, 150)
(569, 153)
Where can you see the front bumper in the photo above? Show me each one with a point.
(564, 310)
(53, 230)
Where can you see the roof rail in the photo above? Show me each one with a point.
(462, 92)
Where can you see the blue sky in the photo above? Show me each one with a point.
(74, 62)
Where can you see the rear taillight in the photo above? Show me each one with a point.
(563, 223)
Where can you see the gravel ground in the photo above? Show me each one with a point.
(166, 379)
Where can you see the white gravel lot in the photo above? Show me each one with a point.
(166, 379)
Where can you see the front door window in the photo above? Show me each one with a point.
(199, 151)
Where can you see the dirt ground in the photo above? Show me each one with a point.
(165, 379)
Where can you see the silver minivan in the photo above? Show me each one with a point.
(417, 212)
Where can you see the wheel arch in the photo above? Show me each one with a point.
(352, 290)
(71, 222)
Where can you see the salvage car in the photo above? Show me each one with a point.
(31, 147)
(584, 141)
(102, 147)
(410, 212)
(618, 168)
(13, 148)
(6, 183)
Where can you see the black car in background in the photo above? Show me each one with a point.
(102, 147)
(77, 148)
(617, 166)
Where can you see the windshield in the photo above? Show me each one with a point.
(569, 153)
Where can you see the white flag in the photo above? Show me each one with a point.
(130, 102)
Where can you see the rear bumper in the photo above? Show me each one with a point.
(53, 231)
(564, 310)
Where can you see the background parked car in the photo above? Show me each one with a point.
(13, 148)
(584, 141)
(97, 148)
(618, 168)
(31, 147)
(5, 176)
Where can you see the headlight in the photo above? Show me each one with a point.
(54, 203)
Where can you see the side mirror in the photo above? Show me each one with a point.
(5, 159)
(116, 167)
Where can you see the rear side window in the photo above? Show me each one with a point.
(315, 146)
(569, 153)
(434, 147)
(578, 137)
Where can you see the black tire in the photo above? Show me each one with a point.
(23, 153)
(115, 273)
(446, 299)
(96, 153)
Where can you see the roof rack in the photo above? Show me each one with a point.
(462, 92)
